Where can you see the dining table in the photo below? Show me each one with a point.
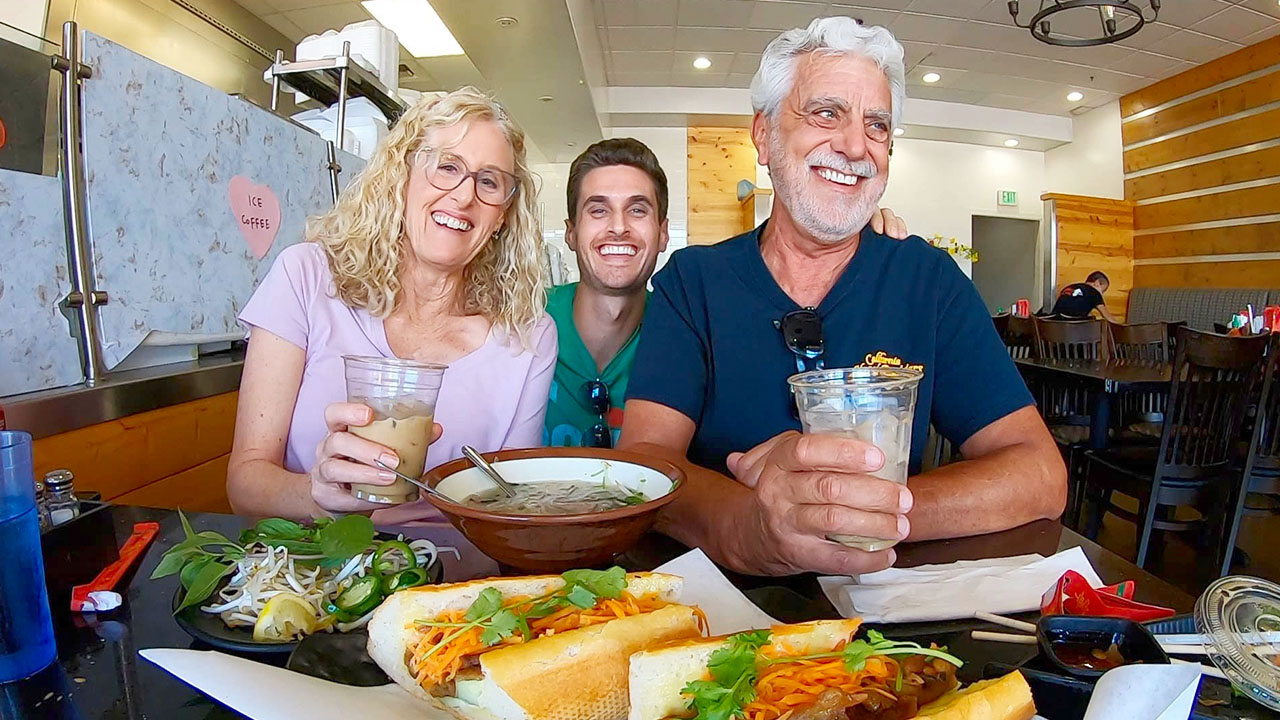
(99, 674)
(1104, 380)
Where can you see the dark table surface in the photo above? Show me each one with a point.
(99, 675)
(1111, 376)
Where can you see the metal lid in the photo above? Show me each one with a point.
(1239, 618)
(59, 480)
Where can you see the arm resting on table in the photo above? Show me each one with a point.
(1012, 474)
(257, 483)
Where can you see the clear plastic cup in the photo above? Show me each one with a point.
(872, 404)
(402, 394)
(26, 630)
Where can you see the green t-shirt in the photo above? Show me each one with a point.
(568, 415)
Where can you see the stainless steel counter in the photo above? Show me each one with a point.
(50, 412)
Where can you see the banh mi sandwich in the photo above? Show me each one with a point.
(529, 648)
(813, 671)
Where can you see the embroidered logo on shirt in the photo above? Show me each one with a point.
(882, 359)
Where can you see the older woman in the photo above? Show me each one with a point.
(432, 255)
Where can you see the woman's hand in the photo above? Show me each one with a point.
(885, 222)
(343, 459)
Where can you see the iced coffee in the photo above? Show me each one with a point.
(402, 395)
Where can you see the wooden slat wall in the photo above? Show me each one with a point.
(1095, 234)
(718, 158)
(1218, 137)
(171, 457)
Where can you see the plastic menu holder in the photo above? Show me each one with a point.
(1239, 617)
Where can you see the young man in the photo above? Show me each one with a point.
(1077, 300)
(617, 228)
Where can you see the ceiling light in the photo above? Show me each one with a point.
(416, 24)
(506, 21)
(931, 77)
(1075, 96)
(1011, 142)
(1118, 19)
(546, 98)
(571, 144)
(899, 132)
(701, 63)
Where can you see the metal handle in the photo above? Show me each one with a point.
(487, 469)
(423, 486)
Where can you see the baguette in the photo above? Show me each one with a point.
(577, 674)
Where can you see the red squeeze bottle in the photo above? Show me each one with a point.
(1, 417)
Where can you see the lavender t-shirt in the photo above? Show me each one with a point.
(492, 398)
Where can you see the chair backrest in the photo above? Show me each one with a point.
(1001, 322)
(1214, 377)
(1069, 339)
(1020, 337)
(1145, 343)
(1264, 450)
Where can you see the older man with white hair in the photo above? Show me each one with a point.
(729, 323)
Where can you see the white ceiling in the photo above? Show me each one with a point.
(982, 57)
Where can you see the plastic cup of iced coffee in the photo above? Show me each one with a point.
(402, 395)
(872, 404)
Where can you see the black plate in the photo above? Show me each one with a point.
(211, 630)
(338, 657)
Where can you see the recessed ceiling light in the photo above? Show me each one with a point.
(931, 77)
(506, 21)
(571, 144)
(1011, 142)
(416, 24)
(1075, 96)
(898, 132)
(546, 98)
(701, 63)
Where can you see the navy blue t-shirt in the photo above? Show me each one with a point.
(709, 347)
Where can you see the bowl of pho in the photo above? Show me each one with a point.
(573, 507)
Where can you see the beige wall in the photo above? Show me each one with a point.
(171, 35)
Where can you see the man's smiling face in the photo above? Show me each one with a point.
(617, 235)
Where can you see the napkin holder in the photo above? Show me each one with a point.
(1072, 595)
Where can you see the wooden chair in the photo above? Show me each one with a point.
(1020, 337)
(1067, 409)
(1141, 413)
(1001, 322)
(1259, 491)
(1213, 378)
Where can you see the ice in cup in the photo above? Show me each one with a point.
(872, 404)
(402, 395)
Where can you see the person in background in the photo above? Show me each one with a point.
(709, 386)
(1078, 300)
(617, 229)
(430, 254)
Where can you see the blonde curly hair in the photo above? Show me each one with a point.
(363, 234)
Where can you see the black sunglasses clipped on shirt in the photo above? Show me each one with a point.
(598, 402)
(802, 334)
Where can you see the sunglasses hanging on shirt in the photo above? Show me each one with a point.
(802, 333)
(598, 402)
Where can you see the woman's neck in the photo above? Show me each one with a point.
(427, 292)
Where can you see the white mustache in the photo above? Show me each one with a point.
(841, 164)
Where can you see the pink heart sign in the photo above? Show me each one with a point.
(257, 212)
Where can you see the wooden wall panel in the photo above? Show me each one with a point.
(1235, 234)
(1251, 94)
(1095, 234)
(1224, 171)
(1251, 274)
(718, 158)
(1240, 62)
(203, 488)
(1210, 241)
(1228, 135)
(123, 455)
(1229, 205)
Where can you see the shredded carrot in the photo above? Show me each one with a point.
(786, 688)
(432, 665)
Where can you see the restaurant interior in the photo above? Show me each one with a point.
(156, 156)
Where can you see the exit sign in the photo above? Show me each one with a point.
(1006, 197)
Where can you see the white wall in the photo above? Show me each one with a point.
(28, 16)
(668, 143)
(1093, 162)
(937, 187)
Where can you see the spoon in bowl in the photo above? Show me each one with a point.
(425, 487)
(487, 469)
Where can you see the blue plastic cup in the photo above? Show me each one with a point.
(26, 630)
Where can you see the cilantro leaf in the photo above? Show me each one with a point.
(488, 602)
(581, 597)
(856, 653)
(733, 678)
(604, 583)
(499, 627)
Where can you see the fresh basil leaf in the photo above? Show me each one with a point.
(172, 561)
(488, 602)
(204, 583)
(192, 570)
(347, 536)
(299, 547)
(280, 529)
(604, 583)
(581, 597)
(499, 627)
(186, 526)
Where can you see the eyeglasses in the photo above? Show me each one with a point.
(802, 333)
(447, 171)
(598, 402)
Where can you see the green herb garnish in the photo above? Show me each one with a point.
(203, 558)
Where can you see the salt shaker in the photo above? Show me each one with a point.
(62, 502)
(42, 507)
